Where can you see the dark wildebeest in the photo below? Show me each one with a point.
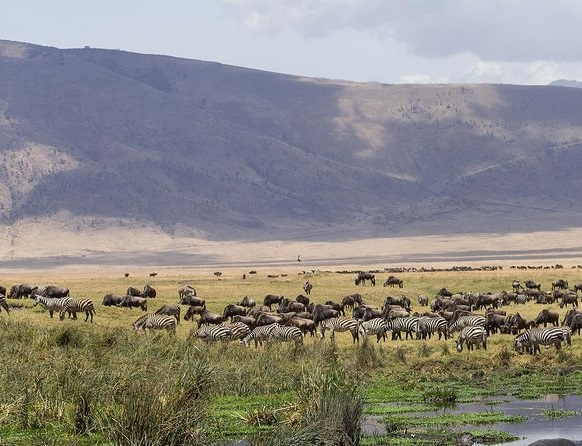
(192, 310)
(576, 323)
(2, 291)
(134, 301)
(55, 291)
(569, 298)
(233, 310)
(394, 281)
(336, 306)
(132, 291)
(170, 310)
(546, 317)
(190, 299)
(516, 286)
(530, 284)
(209, 318)
(363, 276)
(268, 319)
(302, 300)
(351, 300)
(323, 312)
(148, 291)
(423, 300)
(402, 301)
(305, 325)
(307, 287)
(251, 322)
(22, 290)
(247, 302)
(560, 284)
(271, 299)
(111, 299)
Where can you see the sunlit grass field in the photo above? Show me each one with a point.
(52, 365)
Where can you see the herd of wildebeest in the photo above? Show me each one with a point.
(476, 316)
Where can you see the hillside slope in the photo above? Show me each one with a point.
(110, 138)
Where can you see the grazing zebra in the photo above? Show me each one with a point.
(239, 330)
(567, 335)
(51, 304)
(465, 321)
(375, 326)
(472, 335)
(429, 325)
(259, 335)
(78, 306)
(531, 339)
(285, 333)
(399, 324)
(170, 310)
(213, 333)
(340, 325)
(155, 322)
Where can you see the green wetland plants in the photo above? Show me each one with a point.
(75, 383)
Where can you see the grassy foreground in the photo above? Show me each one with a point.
(69, 382)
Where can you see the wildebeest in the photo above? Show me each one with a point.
(170, 310)
(192, 310)
(423, 300)
(271, 299)
(209, 318)
(268, 319)
(307, 287)
(247, 302)
(132, 291)
(305, 325)
(516, 286)
(363, 276)
(569, 298)
(546, 317)
(186, 289)
(402, 301)
(55, 291)
(233, 310)
(323, 312)
(2, 290)
(530, 284)
(22, 290)
(190, 299)
(394, 281)
(134, 301)
(302, 300)
(250, 321)
(560, 284)
(148, 291)
(111, 299)
(351, 300)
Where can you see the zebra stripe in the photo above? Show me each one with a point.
(468, 320)
(376, 326)
(155, 322)
(239, 330)
(259, 335)
(567, 331)
(340, 325)
(170, 310)
(531, 339)
(78, 306)
(472, 335)
(285, 333)
(213, 333)
(52, 304)
(429, 325)
(397, 325)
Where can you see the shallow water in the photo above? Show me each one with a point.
(536, 426)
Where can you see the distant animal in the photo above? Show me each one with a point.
(217, 274)
(516, 286)
(363, 276)
(247, 302)
(394, 281)
(153, 274)
(423, 300)
(126, 274)
(307, 287)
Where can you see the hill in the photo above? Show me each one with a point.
(105, 140)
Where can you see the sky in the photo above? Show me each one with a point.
(529, 42)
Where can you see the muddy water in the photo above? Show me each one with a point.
(536, 426)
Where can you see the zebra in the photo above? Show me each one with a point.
(531, 339)
(400, 324)
(467, 320)
(429, 325)
(375, 326)
(213, 333)
(239, 330)
(567, 335)
(287, 333)
(259, 335)
(78, 306)
(472, 335)
(51, 304)
(170, 310)
(340, 325)
(155, 322)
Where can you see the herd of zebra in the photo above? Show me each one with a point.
(248, 322)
